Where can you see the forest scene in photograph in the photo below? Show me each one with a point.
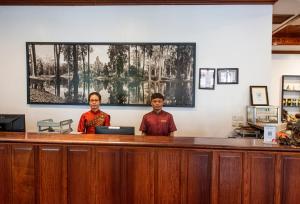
(123, 73)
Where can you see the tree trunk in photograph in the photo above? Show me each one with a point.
(34, 61)
(89, 70)
(75, 73)
(57, 50)
(84, 75)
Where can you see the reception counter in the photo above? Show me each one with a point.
(72, 168)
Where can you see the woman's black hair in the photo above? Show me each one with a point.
(94, 93)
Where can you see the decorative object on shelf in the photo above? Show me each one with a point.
(289, 102)
(290, 97)
(284, 101)
(290, 136)
(259, 96)
(206, 78)
(287, 117)
(123, 73)
(227, 75)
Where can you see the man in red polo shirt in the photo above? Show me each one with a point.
(89, 120)
(158, 122)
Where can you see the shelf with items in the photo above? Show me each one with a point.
(291, 90)
(290, 96)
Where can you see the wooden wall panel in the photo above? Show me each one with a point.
(108, 175)
(198, 177)
(23, 174)
(229, 177)
(5, 173)
(290, 178)
(63, 173)
(52, 175)
(80, 175)
(138, 176)
(168, 187)
(261, 177)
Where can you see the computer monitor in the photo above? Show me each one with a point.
(114, 130)
(12, 123)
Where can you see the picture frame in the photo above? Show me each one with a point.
(207, 78)
(227, 75)
(123, 73)
(259, 96)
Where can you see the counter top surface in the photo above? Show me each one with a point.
(122, 140)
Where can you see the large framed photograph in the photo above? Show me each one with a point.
(123, 73)
(228, 76)
(206, 78)
(259, 96)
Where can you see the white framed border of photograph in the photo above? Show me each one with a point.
(259, 96)
(227, 75)
(207, 78)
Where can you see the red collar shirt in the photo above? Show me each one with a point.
(89, 120)
(160, 124)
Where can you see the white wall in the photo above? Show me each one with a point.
(226, 36)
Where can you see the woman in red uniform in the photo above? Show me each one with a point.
(89, 120)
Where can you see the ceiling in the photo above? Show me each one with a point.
(286, 27)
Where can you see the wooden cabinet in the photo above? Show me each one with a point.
(227, 177)
(5, 173)
(197, 176)
(138, 175)
(93, 173)
(80, 168)
(23, 174)
(108, 175)
(168, 188)
(290, 182)
(290, 95)
(260, 176)
(52, 178)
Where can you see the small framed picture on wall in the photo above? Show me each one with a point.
(228, 76)
(206, 78)
(259, 96)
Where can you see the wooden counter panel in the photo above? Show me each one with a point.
(138, 175)
(52, 174)
(23, 174)
(143, 141)
(168, 176)
(115, 169)
(230, 178)
(197, 176)
(108, 175)
(262, 177)
(5, 173)
(290, 178)
(80, 175)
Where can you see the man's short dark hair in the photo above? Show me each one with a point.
(96, 94)
(157, 95)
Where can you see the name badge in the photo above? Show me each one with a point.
(163, 121)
